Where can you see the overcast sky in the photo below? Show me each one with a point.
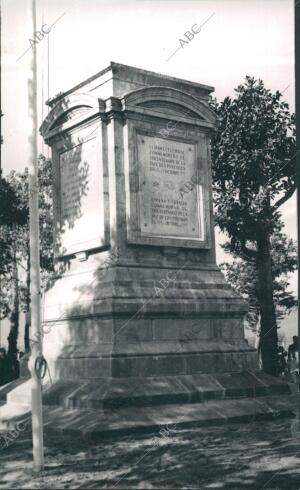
(242, 37)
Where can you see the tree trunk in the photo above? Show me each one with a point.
(27, 313)
(268, 332)
(258, 343)
(14, 316)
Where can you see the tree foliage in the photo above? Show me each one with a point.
(15, 252)
(12, 210)
(253, 162)
(242, 275)
(253, 154)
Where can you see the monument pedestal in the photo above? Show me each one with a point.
(121, 322)
(139, 311)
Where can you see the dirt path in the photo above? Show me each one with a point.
(259, 455)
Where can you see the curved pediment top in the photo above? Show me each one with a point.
(161, 98)
(68, 107)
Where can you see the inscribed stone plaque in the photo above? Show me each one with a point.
(81, 199)
(170, 198)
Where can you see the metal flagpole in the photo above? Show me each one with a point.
(297, 163)
(36, 344)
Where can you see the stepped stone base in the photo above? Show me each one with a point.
(122, 325)
(111, 407)
(118, 349)
(98, 423)
(117, 393)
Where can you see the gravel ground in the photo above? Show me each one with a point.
(256, 455)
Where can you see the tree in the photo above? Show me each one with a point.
(12, 211)
(15, 276)
(253, 153)
(13, 216)
(242, 275)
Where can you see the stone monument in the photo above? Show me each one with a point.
(139, 309)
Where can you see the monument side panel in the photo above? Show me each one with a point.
(80, 198)
(168, 190)
(170, 198)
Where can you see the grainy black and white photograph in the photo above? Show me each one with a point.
(148, 244)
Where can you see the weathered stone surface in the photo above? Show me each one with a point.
(99, 423)
(140, 391)
(80, 207)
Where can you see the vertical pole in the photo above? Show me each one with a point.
(36, 388)
(297, 159)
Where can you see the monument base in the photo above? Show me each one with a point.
(112, 407)
(113, 394)
(124, 341)
(127, 325)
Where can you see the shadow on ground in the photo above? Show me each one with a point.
(260, 455)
